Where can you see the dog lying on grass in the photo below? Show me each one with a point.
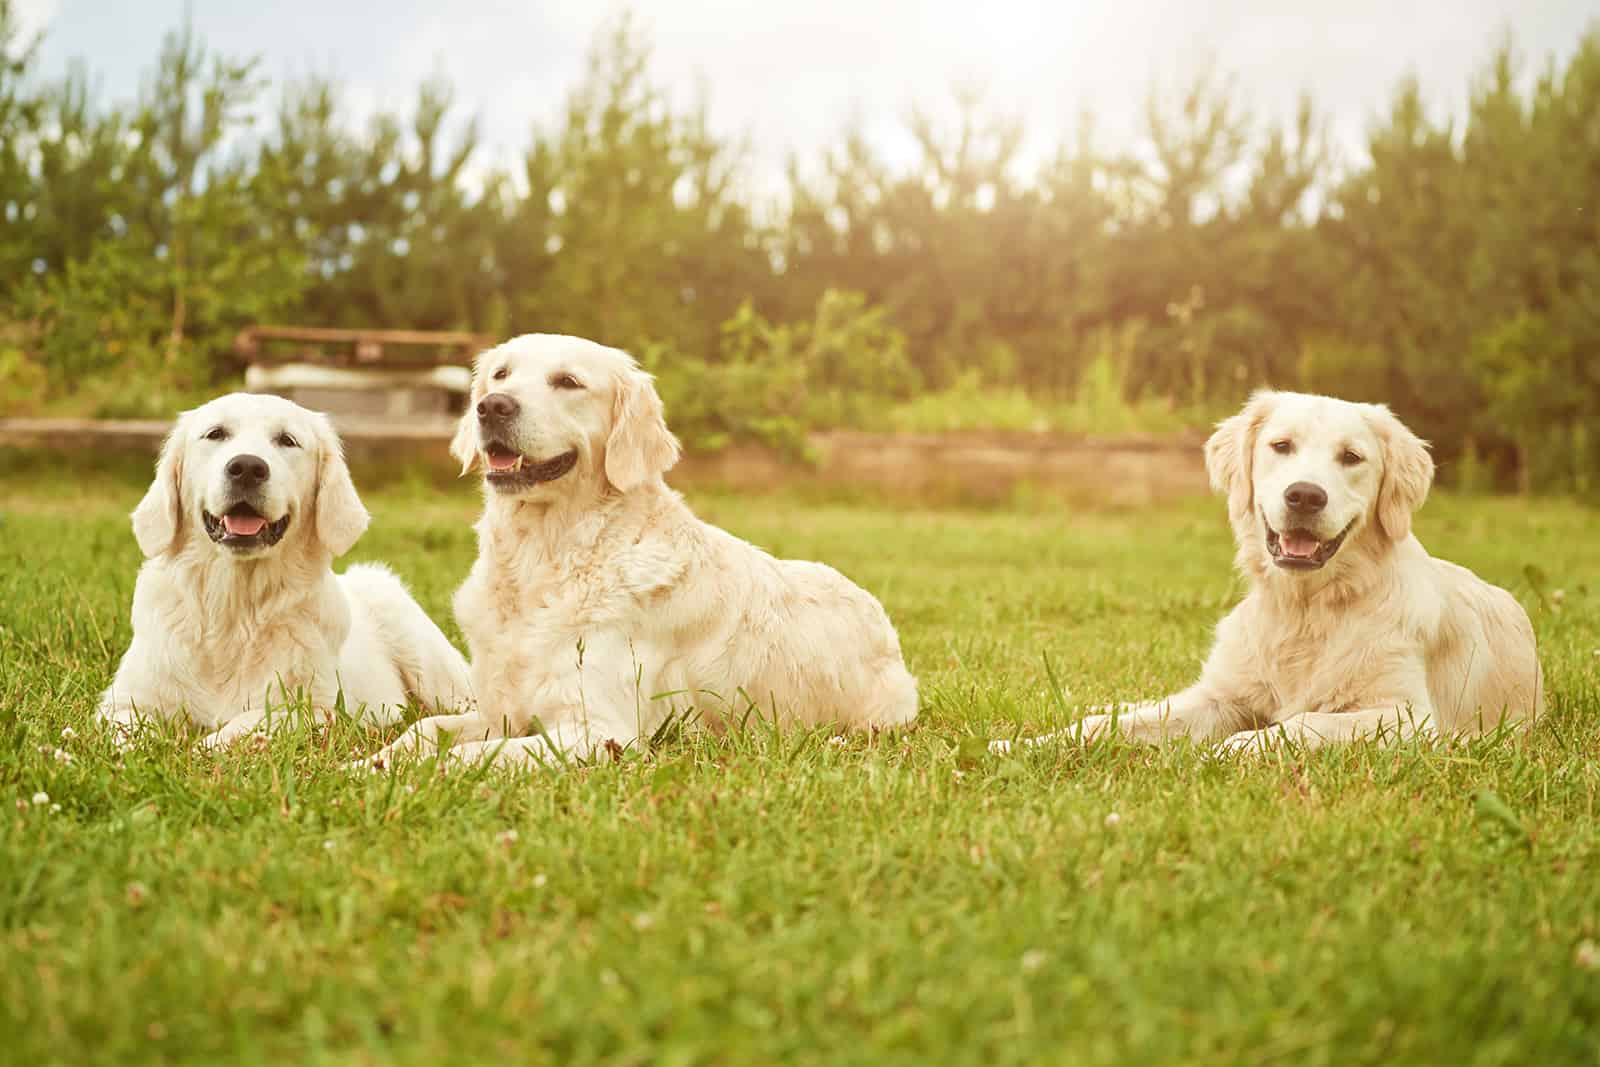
(1350, 629)
(599, 607)
(237, 606)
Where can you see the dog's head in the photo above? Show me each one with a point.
(246, 474)
(548, 412)
(1306, 475)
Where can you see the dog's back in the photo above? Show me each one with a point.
(1483, 666)
(426, 664)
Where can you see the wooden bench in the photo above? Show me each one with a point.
(361, 372)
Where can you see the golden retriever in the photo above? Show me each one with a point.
(599, 605)
(1350, 629)
(237, 608)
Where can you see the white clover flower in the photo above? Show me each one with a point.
(40, 799)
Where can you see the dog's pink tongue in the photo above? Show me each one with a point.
(1302, 546)
(243, 525)
(502, 461)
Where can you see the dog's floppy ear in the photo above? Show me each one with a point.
(1407, 473)
(464, 445)
(159, 517)
(1229, 451)
(640, 446)
(341, 518)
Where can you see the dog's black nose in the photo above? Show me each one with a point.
(247, 470)
(497, 407)
(1305, 497)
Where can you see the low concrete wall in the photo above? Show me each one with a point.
(983, 465)
(1127, 469)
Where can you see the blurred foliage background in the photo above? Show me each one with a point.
(1453, 272)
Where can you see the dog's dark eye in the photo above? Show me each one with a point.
(565, 381)
(283, 440)
(1283, 448)
(216, 433)
(500, 375)
(1349, 458)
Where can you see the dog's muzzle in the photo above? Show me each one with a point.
(242, 527)
(509, 471)
(1302, 550)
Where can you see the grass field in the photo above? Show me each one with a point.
(765, 899)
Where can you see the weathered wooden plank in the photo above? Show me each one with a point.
(431, 348)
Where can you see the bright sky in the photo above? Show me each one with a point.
(787, 76)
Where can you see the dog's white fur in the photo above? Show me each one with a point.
(599, 605)
(223, 635)
(1383, 641)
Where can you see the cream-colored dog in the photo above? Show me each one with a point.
(599, 605)
(237, 608)
(1350, 629)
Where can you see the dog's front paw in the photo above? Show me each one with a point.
(376, 763)
(1095, 727)
(1085, 730)
(124, 735)
(223, 739)
(1006, 746)
(1249, 743)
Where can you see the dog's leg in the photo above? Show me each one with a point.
(476, 739)
(426, 734)
(260, 722)
(1198, 713)
(1313, 729)
(233, 729)
(508, 752)
(124, 721)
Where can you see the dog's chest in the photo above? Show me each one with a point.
(503, 618)
(1307, 671)
(248, 662)
(517, 590)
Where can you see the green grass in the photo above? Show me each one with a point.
(762, 899)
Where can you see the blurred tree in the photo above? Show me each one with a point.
(396, 234)
(963, 252)
(1454, 272)
(176, 258)
(630, 228)
(1471, 259)
(20, 111)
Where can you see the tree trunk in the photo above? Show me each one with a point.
(180, 305)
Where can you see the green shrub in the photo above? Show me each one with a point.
(772, 383)
(22, 381)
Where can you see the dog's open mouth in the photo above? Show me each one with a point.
(242, 526)
(509, 470)
(1301, 550)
